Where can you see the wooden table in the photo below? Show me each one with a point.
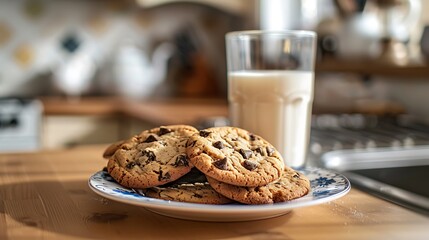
(45, 195)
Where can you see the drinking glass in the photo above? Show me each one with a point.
(270, 87)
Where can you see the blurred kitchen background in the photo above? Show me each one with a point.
(97, 71)
(81, 72)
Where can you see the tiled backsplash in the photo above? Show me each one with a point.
(86, 47)
(36, 36)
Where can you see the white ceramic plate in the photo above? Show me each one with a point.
(326, 186)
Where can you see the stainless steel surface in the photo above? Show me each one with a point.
(386, 156)
(392, 193)
(355, 131)
(396, 175)
(344, 160)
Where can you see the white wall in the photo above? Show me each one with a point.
(425, 9)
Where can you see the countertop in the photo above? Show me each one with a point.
(45, 195)
(174, 111)
(159, 112)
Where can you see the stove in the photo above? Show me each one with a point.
(20, 124)
(331, 132)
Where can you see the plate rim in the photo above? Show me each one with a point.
(154, 203)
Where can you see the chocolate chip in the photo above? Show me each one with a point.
(191, 144)
(197, 195)
(296, 175)
(252, 137)
(181, 160)
(222, 164)
(130, 165)
(245, 153)
(194, 176)
(204, 133)
(150, 139)
(260, 151)
(270, 151)
(166, 176)
(163, 176)
(249, 165)
(150, 155)
(163, 131)
(218, 145)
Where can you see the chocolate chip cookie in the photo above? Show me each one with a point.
(111, 149)
(154, 157)
(193, 188)
(291, 185)
(235, 156)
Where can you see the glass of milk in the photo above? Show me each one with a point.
(270, 87)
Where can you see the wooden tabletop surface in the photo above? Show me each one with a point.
(45, 195)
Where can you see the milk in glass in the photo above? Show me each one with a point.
(275, 104)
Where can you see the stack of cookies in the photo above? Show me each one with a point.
(213, 166)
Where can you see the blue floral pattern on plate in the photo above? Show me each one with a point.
(326, 186)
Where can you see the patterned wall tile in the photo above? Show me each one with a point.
(24, 55)
(5, 33)
(34, 9)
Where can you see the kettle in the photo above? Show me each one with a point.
(137, 74)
